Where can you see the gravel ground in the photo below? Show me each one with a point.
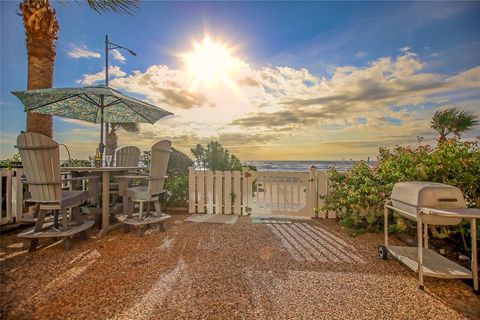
(304, 270)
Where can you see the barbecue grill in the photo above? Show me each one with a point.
(435, 204)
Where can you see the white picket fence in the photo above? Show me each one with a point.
(12, 195)
(12, 191)
(262, 193)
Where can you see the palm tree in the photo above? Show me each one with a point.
(41, 30)
(112, 137)
(441, 122)
(464, 122)
(454, 121)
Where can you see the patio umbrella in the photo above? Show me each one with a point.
(97, 104)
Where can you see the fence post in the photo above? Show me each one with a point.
(191, 190)
(322, 179)
(312, 203)
(17, 195)
(245, 194)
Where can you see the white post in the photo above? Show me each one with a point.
(191, 190)
(312, 202)
(17, 198)
(9, 195)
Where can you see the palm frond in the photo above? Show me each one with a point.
(130, 127)
(116, 6)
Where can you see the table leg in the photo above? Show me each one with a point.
(105, 201)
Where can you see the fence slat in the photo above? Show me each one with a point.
(244, 192)
(209, 191)
(227, 192)
(218, 192)
(200, 191)
(237, 198)
(192, 186)
(17, 195)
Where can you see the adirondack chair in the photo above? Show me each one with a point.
(144, 195)
(41, 165)
(125, 157)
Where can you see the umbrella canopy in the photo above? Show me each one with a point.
(87, 103)
(98, 104)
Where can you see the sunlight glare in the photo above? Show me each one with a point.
(209, 63)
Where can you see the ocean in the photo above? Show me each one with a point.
(302, 166)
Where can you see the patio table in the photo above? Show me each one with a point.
(105, 171)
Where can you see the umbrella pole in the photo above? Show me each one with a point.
(101, 146)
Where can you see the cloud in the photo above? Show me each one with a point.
(248, 82)
(274, 110)
(405, 49)
(360, 54)
(82, 51)
(163, 86)
(90, 79)
(117, 55)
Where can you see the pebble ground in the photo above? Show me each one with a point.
(303, 270)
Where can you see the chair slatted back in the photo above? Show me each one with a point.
(41, 165)
(127, 157)
(158, 166)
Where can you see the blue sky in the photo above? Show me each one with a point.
(316, 80)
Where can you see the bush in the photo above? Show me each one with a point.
(215, 157)
(12, 162)
(177, 182)
(357, 196)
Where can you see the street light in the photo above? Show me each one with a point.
(109, 46)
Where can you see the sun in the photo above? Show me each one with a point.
(210, 63)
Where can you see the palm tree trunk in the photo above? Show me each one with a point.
(41, 29)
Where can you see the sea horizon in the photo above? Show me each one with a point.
(303, 165)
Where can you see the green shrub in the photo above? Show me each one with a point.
(177, 182)
(215, 157)
(357, 196)
(12, 162)
(177, 191)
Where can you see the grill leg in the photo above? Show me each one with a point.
(420, 251)
(385, 224)
(425, 236)
(473, 235)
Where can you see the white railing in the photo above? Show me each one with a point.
(264, 193)
(12, 195)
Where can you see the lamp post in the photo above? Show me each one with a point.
(109, 46)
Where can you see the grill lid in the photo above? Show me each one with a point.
(428, 194)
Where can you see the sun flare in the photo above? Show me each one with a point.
(209, 63)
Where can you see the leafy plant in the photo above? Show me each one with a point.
(76, 163)
(358, 195)
(215, 157)
(11, 162)
(177, 182)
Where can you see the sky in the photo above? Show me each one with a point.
(269, 80)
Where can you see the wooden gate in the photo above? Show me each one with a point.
(258, 193)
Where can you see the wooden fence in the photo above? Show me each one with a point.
(264, 193)
(11, 190)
